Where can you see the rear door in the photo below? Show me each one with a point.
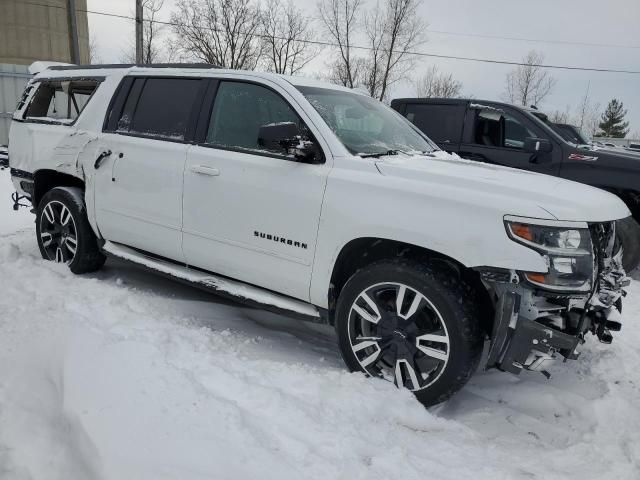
(138, 194)
(252, 213)
(442, 123)
(497, 135)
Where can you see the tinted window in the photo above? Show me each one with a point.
(494, 128)
(441, 123)
(124, 122)
(60, 101)
(240, 109)
(164, 107)
(515, 132)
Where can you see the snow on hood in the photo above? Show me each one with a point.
(516, 190)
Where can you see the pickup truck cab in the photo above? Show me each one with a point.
(319, 202)
(524, 138)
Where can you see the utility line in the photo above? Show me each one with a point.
(360, 47)
(532, 40)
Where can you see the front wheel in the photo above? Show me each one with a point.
(63, 231)
(410, 324)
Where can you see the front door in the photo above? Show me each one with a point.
(138, 190)
(498, 135)
(251, 212)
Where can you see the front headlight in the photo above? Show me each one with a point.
(566, 249)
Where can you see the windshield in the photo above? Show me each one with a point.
(571, 133)
(364, 125)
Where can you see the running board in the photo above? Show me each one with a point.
(223, 286)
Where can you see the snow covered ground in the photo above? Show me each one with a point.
(123, 375)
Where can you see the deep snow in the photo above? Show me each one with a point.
(123, 375)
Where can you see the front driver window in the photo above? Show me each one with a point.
(240, 109)
(495, 128)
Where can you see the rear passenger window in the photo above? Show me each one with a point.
(441, 123)
(162, 109)
(60, 101)
(240, 109)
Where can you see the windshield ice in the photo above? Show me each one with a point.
(364, 125)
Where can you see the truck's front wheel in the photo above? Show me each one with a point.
(63, 231)
(410, 324)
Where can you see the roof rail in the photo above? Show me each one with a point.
(129, 65)
(39, 66)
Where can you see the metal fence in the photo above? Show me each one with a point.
(13, 78)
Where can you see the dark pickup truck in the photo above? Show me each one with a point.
(524, 138)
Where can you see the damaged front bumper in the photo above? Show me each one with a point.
(533, 327)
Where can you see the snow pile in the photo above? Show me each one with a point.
(121, 375)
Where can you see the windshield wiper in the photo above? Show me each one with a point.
(379, 154)
(389, 153)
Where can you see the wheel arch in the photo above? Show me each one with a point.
(631, 198)
(46, 179)
(360, 252)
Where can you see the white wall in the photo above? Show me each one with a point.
(13, 78)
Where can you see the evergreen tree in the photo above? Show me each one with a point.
(612, 122)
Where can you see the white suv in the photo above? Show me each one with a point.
(320, 202)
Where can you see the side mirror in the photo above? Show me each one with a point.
(285, 137)
(306, 151)
(537, 145)
(277, 136)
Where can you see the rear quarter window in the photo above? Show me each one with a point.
(60, 101)
(441, 123)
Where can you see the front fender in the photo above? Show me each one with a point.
(473, 235)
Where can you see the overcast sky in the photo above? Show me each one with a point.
(614, 22)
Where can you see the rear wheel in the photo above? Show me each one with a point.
(63, 231)
(410, 324)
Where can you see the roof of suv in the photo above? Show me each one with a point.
(461, 101)
(205, 69)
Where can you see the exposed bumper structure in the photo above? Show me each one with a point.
(532, 327)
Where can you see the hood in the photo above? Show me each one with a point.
(516, 192)
(610, 152)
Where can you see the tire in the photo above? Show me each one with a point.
(628, 232)
(436, 332)
(63, 231)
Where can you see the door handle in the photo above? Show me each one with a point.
(204, 170)
(101, 158)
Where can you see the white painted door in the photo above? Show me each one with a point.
(251, 213)
(138, 192)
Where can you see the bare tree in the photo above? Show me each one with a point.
(403, 32)
(434, 84)
(592, 120)
(561, 117)
(529, 84)
(587, 116)
(392, 30)
(286, 36)
(222, 32)
(152, 31)
(339, 18)
(94, 55)
(583, 108)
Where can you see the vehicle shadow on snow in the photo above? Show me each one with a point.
(212, 311)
